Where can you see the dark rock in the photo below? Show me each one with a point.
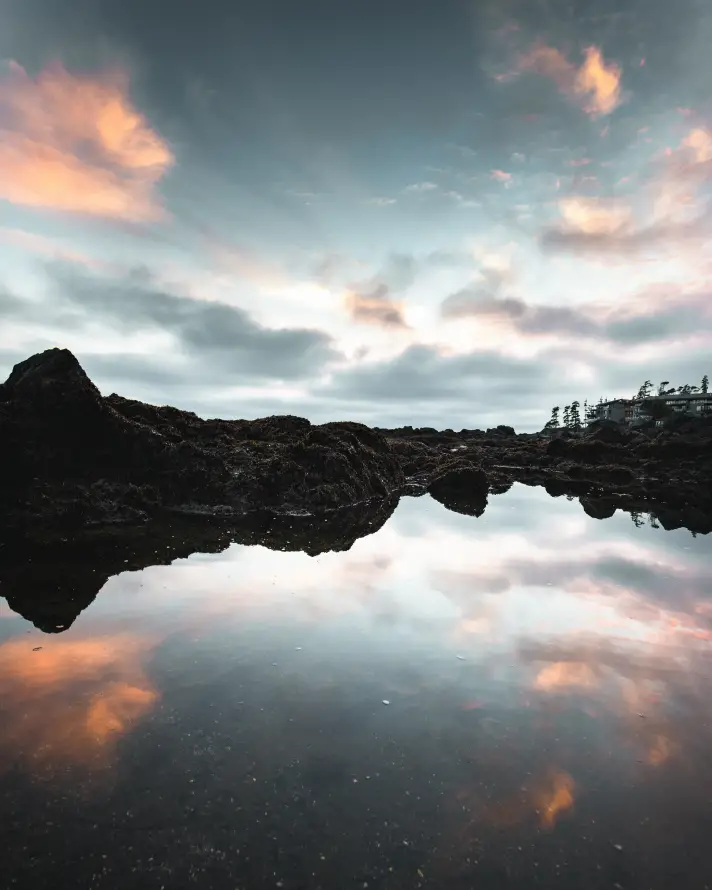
(460, 486)
(598, 508)
(51, 579)
(69, 454)
(558, 447)
(605, 431)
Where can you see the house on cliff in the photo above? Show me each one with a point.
(692, 404)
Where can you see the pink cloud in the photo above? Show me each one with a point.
(595, 83)
(77, 144)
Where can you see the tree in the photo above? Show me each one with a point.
(574, 417)
(685, 390)
(644, 390)
(661, 388)
(705, 384)
(553, 422)
(567, 415)
(637, 519)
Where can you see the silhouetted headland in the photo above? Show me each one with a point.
(93, 485)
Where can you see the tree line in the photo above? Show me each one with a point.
(573, 418)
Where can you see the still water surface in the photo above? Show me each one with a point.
(520, 700)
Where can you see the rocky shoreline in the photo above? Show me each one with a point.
(72, 459)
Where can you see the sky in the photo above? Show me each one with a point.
(436, 212)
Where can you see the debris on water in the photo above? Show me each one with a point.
(460, 657)
(297, 648)
(37, 648)
(618, 846)
(386, 702)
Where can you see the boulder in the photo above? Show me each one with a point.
(460, 486)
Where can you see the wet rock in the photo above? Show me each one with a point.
(461, 486)
(558, 447)
(69, 454)
(605, 431)
(598, 508)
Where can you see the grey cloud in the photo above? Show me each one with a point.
(206, 331)
(423, 373)
(479, 301)
(399, 271)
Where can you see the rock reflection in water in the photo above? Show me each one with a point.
(547, 674)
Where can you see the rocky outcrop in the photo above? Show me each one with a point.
(72, 458)
(460, 486)
(69, 455)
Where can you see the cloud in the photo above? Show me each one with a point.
(375, 307)
(86, 694)
(595, 85)
(77, 144)
(673, 213)
(221, 335)
(422, 372)
(645, 322)
(482, 296)
(420, 187)
(370, 302)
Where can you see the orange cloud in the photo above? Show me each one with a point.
(595, 216)
(565, 673)
(73, 699)
(554, 797)
(375, 308)
(595, 83)
(76, 144)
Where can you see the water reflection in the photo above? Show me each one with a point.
(512, 700)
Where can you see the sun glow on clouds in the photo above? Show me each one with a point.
(75, 143)
(596, 84)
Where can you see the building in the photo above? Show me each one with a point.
(617, 410)
(694, 404)
(630, 411)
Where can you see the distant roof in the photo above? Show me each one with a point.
(684, 395)
(616, 402)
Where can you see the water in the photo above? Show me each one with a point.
(520, 700)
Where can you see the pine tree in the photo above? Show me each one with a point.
(567, 415)
(553, 422)
(661, 388)
(644, 390)
(574, 417)
(705, 384)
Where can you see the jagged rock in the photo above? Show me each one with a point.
(61, 438)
